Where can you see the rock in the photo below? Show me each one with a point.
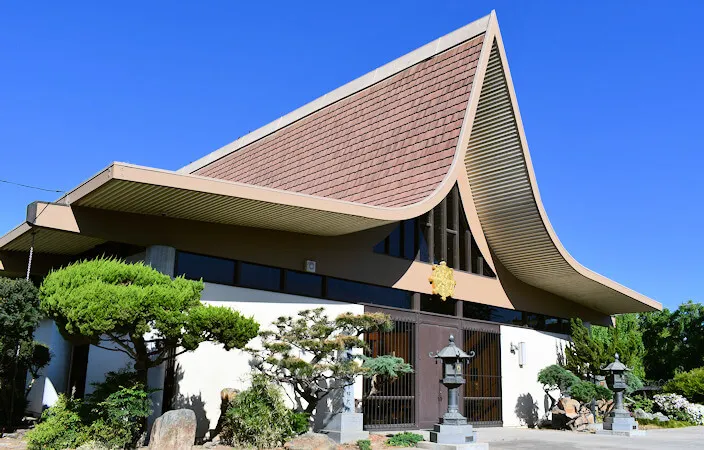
(311, 441)
(661, 417)
(640, 414)
(570, 405)
(175, 430)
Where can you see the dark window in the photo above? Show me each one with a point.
(434, 304)
(395, 242)
(306, 284)
(442, 234)
(260, 277)
(210, 269)
(350, 291)
(410, 245)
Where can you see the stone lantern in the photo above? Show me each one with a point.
(619, 421)
(453, 429)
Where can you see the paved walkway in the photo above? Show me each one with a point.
(522, 438)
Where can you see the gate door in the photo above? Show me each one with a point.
(391, 404)
(482, 390)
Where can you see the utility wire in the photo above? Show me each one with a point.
(32, 187)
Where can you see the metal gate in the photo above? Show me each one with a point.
(391, 404)
(482, 374)
(405, 402)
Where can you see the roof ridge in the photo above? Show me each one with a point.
(416, 56)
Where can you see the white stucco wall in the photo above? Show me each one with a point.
(519, 385)
(54, 377)
(202, 374)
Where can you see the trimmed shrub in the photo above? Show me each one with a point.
(557, 377)
(688, 384)
(258, 417)
(633, 383)
(666, 424)
(61, 427)
(405, 439)
(585, 391)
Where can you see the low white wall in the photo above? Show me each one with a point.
(202, 374)
(54, 377)
(523, 397)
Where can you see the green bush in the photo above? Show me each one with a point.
(300, 422)
(364, 444)
(584, 391)
(633, 383)
(61, 427)
(405, 439)
(557, 377)
(110, 417)
(258, 417)
(642, 402)
(667, 424)
(688, 384)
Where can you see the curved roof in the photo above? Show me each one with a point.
(384, 148)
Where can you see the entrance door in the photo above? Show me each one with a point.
(432, 395)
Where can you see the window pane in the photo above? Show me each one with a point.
(380, 247)
(438, 254)
(477, 311)
(423, 240)
(451, 249)
(395, 242)
(260, 277)
(212, 270)
(409, 239)
(306, 284)
(434, 304)
(351, 291)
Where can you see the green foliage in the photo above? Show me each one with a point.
(110, 300)
(557, 377)
(688, 384)
(667, 424)
(364, 444)
(110, 417)
(591, 350)
(674, 340)
(388, 366)
(300, 422)
(584, 391)
(327, 344)
(642, 402)
(19, 353)
(405, 439)
(258, 417)
(61, 427)
(633, 383)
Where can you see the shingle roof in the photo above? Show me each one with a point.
(390, 144)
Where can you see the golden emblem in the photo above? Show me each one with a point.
(443, 280)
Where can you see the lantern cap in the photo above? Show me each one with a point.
(616, 366)
(452, 351)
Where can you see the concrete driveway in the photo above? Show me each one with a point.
(522, 438)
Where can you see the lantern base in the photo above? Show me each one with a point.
(619, 422)
(345, 428)
(444, 433)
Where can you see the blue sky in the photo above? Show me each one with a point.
(610, 94)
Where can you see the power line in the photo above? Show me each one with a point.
(32, 187)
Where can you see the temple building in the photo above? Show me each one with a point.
(347, 203)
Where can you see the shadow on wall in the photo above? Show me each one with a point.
(527, 410)
(193, 402)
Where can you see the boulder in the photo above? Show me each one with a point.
(569, 405)
(661, 417)
(640, 414)
(175, 430)
(311, 441)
